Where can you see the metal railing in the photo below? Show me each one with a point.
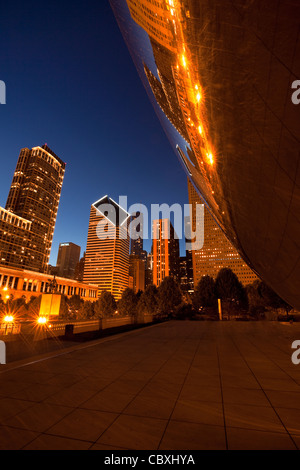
(68, 328)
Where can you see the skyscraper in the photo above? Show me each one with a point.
(165, 251)
(217, 252)
(136, 235)
(67, 259)
(27, 223)
(107, 251)
(156, 18)
(79, 269)
(137, 272)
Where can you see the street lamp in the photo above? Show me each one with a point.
(8, 320)
(5, 289)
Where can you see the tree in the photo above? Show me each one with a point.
(257, 305)
(205, 293)
(228, 287)
(184, 312)
(105, 306)
(33, 306)
(18, 307)
(169, 296)
(272, 300)
(64, 309)
(74, 303)
(262, 298)
(148, 301)
(127, 305)
(2, 305)
(231, 291)
(86, 311)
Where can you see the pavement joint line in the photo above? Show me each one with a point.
(96, 392)
(222, 396)
(196, 349)
(263, 390)
(274, 362)
(73, 408)
(66, 351)
(138, 393)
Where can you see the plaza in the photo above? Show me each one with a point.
(179, 385)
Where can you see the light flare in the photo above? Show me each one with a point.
(9, 319)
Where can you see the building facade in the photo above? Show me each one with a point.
(155, 17)
(67, 259)
(186, 273)
(24, 283)
(217, 252)
(136, 234)
(27, 223)
(137, 272)
(107, 252)
(165, 251)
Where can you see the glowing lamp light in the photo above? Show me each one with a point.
(198, 97)
(183, 61)
(200, 130)
(9, 319)
(210, 158)
(42, 320)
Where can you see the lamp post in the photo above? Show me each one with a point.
(53, 287)
(8, 319)
(45, 310)
(5, 289)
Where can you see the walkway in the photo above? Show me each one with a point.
(176, 385)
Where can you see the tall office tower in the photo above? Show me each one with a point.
(107, 251)
(156, 19)
(186, 273)
(79, 269)
(217, 252)
(137, 273)
(189, 270)
(28, 220)
(136, 235)
(149, 270)
(67, 259)
(165, 251)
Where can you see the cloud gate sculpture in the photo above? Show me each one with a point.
(223, 77)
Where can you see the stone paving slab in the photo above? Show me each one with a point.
(173, 386)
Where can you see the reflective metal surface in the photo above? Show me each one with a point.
(219, 74)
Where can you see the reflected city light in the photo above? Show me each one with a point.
(8, 319)
(199, 74)
(210, 158)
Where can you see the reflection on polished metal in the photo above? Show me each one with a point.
(219, 75)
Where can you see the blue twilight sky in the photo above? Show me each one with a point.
(71, 83)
